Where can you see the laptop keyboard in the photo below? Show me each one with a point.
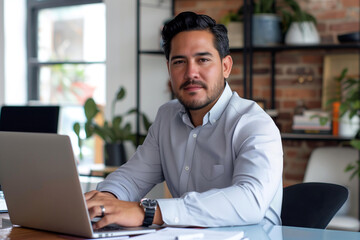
(114, 227)
(111, 227)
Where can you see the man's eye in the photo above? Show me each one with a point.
(178, 62)
(203, 60)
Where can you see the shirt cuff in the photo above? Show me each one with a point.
(171, 210)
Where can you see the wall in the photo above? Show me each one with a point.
(334, 17)
(12, 52)
(2, 77)
(121, 56)
(15, 90)
(121, 60)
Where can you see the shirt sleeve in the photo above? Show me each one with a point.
(256, 192)
(139, 175)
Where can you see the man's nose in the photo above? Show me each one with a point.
(192, 70)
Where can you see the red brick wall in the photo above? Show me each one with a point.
(334, 17)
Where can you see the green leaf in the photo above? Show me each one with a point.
(127, 129)
(342, 75)
(108, 132)
(90, 109)
(89, 129)
(349, 167)
(355, 143)
(146, 122)
(111, 131)
(76, 128)
(120, 94)
(116, 125)
(322, 119)
(131, 111)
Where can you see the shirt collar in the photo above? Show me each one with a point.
(215, 112)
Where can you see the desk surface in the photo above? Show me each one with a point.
(253, 232)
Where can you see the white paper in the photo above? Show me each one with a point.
(171, 233)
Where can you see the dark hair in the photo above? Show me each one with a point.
(188, 21)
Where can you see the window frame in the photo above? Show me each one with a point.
(33, 64)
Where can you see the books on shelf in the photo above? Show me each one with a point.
(310, 122)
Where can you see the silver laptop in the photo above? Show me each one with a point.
(39, 177)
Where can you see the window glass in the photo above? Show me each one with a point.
(74, 33)
(69, 63)
(72, 83)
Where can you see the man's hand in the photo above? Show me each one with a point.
(128, 214)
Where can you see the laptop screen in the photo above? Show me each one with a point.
(41, 119)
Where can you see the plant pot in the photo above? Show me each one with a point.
(348, 127)
(266, 30)
(236, 34)
(115, 154)
(302, 33)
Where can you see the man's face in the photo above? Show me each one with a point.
(196, 70)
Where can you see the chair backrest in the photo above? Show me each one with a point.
(311, 204)
(327, 164)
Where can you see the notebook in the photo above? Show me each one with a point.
(39, 177)
(3, 207)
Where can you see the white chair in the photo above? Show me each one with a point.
(327, 164)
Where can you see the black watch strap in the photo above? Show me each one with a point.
(149, 216)
(149, 206)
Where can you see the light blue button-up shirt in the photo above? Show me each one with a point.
(226, 172)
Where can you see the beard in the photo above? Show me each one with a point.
(197, 104)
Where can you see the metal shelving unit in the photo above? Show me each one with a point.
(248, 51)
(313, 137)
(140, 52)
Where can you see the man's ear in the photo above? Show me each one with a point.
(167, 65)
(227, 63)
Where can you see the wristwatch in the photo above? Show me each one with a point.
(149, 206)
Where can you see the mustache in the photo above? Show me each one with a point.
(193, 82)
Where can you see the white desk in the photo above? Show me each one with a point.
(253, 232)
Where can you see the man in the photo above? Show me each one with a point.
(220, 155)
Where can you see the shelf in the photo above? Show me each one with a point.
(301, 47)
(279, 48)
(152, 52)
(313, 137)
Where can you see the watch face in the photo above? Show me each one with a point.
(149, 203)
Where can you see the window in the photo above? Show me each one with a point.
(66, 58)
(66, 51)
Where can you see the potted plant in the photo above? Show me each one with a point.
(299, 25)
(266, 29)
(346, 103)
(234, 24)
(114, 132)
(347, 97)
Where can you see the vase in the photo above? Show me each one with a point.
(115, 154)
(302, 33)
(348, 127)
(266, 30)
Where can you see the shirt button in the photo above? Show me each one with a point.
(194, 135)
(176, 219)
(187, 168)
